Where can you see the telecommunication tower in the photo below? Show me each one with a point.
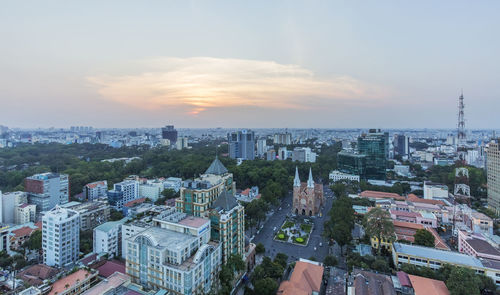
(461, 140)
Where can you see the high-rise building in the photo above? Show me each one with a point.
(122, 193)
(303, 154)
(375, 146)
(95, 190)
(47, 190)
(261, 147)
(401, 145)
(352, 163)
(91, 214)
(60, 236)
(493, 174)
(169, 132)
(242, 144)
(24, 213)
(108, 237)
(8, 204)
(283, 138)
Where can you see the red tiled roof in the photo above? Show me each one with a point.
(415, 199)
(403, 279)
(94, 184)
(245, 192)
(404, 213)
(134, 202)
(34, 275)
(380, 195)
(59, 286)
(110, 267)
(425, 286)
(89, 259)
(23, 231)
(305, 279)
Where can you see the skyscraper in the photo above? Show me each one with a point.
(242, 144)
(493, 172)
(401, 145)
(169, 132)
(375, 146)
(60, 236)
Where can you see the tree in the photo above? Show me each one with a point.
(259, 249)
(115, 215)
(463, 281)
(35, 241)
(330, 261)
(266, 286)
(378, 224)
(424, 237)
(256, 211)
(281, 259)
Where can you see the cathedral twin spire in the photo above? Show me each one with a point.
(296, 180)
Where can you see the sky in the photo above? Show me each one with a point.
(255, 64)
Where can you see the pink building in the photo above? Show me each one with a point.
(476, 245)
(424, 218)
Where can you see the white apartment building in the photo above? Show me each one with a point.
(151, 190)
(95, 190)
(435, 191)
(123, 192)
(336, 175)
(8, 204)
(129, 230)
(25, 213)
(108, 238)
(493, 173)
(60, 236)
(160, 258)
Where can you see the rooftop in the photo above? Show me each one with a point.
(370, 283)
(481, 246)
(380, 195)
(113, 281)
(225, 201)
(107, 226)
(306, 278)
(111, 267)
(439, 255)
(165, 238)
(216, 168)
(59, 286)
(425, 286)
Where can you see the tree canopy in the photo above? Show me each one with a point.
(378, 224)
(424, 237)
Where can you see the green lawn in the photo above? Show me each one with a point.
(288, 224)
(306, 227)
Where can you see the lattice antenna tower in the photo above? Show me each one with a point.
(461, 137)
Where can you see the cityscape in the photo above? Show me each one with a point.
(195, 148)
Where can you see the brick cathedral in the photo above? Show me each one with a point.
(307, 196)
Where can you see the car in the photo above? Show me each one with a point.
(274, 229)
(321, 244)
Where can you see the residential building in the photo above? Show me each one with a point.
(424, 218)
(402, 170)
(303, 154)
(130, 229)
(21, 235)
(60, 236)
(47, 190)
(4, 238)
(261, 146)
(91, 213)
(171, 219)
(271, 155)
(169, 133)
(35, 275)
(123, 192)
(375, 146)
(248, 195)
(180, 263)
(435, 191)
(227, 218)
(352, 163)
(24, 213)
(198, 195)
(151, 189)
(242, 144)
(307, 196)
(306, 278)
(108, 238)
(282, 138)
(417, 285)
(478, 222)
(173, 183)
(8, 204)
(110, 285)
(376, 195)
(75, 283)
(182, 143)
(493, 175)
(337, 175)
(95, 190)
(282, 153)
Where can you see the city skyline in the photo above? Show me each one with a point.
(296, 65)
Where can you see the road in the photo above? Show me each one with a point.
(294, 252)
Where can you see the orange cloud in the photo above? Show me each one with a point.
(199, 83)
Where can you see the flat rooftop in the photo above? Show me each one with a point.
(165, 238)
(195, 222)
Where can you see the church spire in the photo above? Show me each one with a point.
(296, 180)
(310, 181)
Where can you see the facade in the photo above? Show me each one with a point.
(261, 147)
(282, 153)
(4, 238)
(95, 190)
(60, 236)
(242, 144)
(182, 143)
(91, 213)
(493, 174)
(227, 218)
(129, 229)
(173, 183)
(47, 190)
(198, 195)
(180, 263)
(307, 197)
(401, 145)
(352, 163)
(476, 245)
(108, 237)
(303, 154)
(338, 176)
(169, 133)
(122, 193)
(271, 155)
(8, 204)
(306, 278)
(282, 138)
(151, 190)
(75, 283)
(435, 191)
(375, 145)
(24, 213)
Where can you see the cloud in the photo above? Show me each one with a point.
(199, 83)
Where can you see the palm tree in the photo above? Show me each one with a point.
(378, 223)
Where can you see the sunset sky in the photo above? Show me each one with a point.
(331, 64)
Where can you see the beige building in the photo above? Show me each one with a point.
(25, 213)
(493, 172)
